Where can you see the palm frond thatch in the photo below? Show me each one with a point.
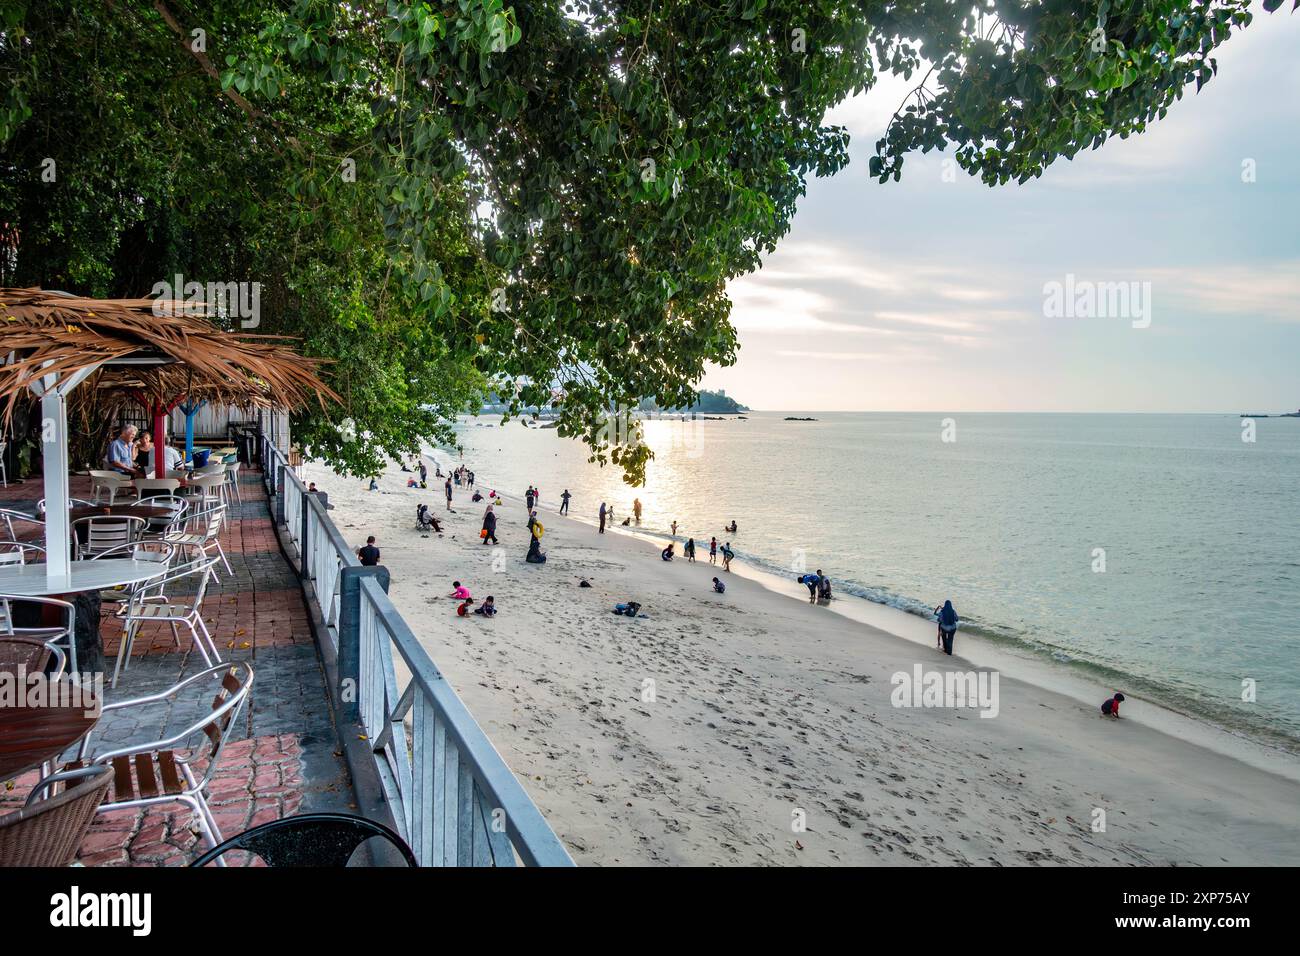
(44, 333)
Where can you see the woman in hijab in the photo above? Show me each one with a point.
(489, 526)
(948, 621)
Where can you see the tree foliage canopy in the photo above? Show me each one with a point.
(452, 196)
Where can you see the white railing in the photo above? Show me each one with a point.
(454, 800)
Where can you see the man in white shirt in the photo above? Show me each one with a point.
(171, 457)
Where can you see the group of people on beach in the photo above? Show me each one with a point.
(466, 607)
(818, 585)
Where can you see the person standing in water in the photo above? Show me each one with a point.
(674, 529)
(810, 581)
(948, 621)
(564, 502)
(602, 517)
(727, 555)
(636, 509)
(713, 551)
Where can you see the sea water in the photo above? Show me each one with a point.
(1156, 553)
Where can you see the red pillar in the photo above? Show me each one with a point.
(159, 439)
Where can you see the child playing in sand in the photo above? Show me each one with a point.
(719, 586)
(463, 609)
(1111, 707)
(459, 591)
(488, 608)
(667, 553)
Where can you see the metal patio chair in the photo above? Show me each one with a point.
(202, 531)
(103, 532)
(7, 518)
(158, 772)
(49, 828)
(62, 636)
(20, 552)
(151, 604)
(309, 839)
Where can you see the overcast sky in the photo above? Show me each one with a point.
(928, 294)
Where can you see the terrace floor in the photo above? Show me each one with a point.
(284, 757)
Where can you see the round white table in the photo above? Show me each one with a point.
(29, 580)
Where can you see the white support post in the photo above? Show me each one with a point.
(54, 444)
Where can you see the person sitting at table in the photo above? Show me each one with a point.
(143, 449)
(172, 459)
(121, 453)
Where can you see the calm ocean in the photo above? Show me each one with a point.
(1159, 553)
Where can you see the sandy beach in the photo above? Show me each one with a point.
(751, 728)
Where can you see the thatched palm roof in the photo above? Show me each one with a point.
(171, 355)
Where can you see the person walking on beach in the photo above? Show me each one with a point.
(713, 551)
(489, 532)
(948, 621)
(424, 474)
(447, 487)
(727, 555)
(528, 499)
(636, 509)
(602, 517)
(369, 555)
(564, 502)
(688, 552)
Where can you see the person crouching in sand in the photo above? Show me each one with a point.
(1110, 708)
(667, 553)
(535, 553)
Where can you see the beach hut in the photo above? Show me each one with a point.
(156, 352)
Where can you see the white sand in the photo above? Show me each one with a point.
(767, 709)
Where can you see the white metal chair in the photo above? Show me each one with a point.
(202, 531)
(20, 552)
(143, 486)
(157, 772)
(103, 532)
(107, 481)
(159, 552)
(63, 635)
(151, 604)
(178, 505)
(211, 487)
(7, 518)
(232, 482)
(4, 472)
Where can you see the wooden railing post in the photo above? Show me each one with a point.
(350, 634)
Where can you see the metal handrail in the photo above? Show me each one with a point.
(454, 799)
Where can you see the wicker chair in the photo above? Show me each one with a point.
(48, 830)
